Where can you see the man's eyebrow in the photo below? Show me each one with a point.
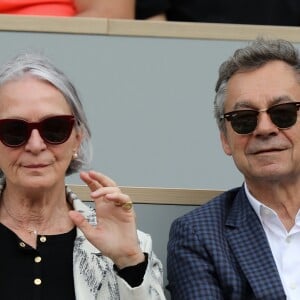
(283, 98)
(242, 104)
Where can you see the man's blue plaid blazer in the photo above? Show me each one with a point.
(220, 251)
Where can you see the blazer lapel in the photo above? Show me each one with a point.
(89, 265)
(250, 246)
(89, 269)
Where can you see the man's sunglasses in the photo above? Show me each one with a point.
(245, 121)
(54, 130)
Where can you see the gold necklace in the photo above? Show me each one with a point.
(30, 231)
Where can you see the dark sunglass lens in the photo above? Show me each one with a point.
(244, 122)
(13, 133)
(283, 115)
(57, 130)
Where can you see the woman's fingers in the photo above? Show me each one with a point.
(101, 178)
(96, 180)
(91, 183)
(80, 221)
(104, 188)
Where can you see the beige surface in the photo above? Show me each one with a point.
(157, 195)
(145, 28)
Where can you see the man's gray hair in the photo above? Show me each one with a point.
(251, 57)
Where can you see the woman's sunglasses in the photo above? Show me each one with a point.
(245, 121)
(54, 130)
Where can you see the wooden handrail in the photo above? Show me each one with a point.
(102, 26)
(151, 195)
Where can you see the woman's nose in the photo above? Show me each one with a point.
(35, 142)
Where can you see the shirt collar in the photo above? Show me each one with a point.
(256, 204)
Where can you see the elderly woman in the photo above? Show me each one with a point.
(52, 245)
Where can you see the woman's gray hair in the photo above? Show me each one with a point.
(251, 57)
(39, 66)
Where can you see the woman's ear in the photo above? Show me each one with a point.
(76, 142)
(79, 137)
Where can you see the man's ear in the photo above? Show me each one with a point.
(225, 144)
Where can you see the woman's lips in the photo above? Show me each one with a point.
(36, 166)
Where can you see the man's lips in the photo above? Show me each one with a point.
(265, 150)
(263, 146)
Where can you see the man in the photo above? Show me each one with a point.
(245, 243)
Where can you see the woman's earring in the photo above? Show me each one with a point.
(75, 155)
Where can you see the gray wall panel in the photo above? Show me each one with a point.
(149, 101)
